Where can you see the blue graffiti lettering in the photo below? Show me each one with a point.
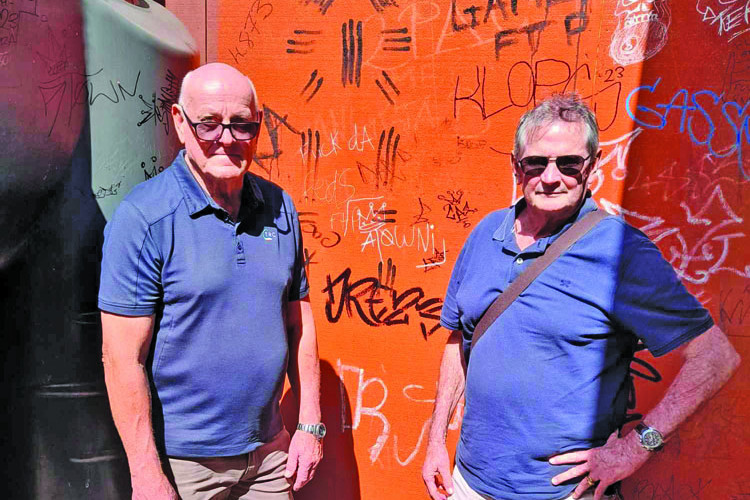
(693, 108)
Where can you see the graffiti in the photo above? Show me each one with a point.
(643, 370)
(574, 23)
(153, 170)
(518, 78)
(390, 84)
(423, 211)
(641, 32)
(694, 106)
(159, 109)
(380, 5)
(308, 225)
(400, 44)
(112, 190)
(737, 76)
(699, 246)
(115, 97)
(259, 11)
(734, 308)
(375, 411)
(314, 91)
(74, 89)
(357, 143)
(682, 489)
(351, 53)
(377, 302)
(153, 112)
(323, 5)
(275, 125)
(303, 45)
(453, 209)
(432, 263)
(336, 191)
(731, 17)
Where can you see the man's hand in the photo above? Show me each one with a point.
(157, 488)
(436, 471)
(305, 453)
(616, 460)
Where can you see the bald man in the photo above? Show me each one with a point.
(204, 309)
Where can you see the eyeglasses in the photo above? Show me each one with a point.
(212, 131)
(570, 165)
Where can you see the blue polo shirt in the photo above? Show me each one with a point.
(549, 376)
(219, 290)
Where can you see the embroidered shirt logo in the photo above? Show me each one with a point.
(269, 233)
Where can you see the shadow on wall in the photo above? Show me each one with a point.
(338, 471)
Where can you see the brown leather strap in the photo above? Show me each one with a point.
(557, 248)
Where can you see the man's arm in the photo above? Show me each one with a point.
(305, 450)
(709, 361)
(450, 389)
(125, 345)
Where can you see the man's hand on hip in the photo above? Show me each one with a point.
(601, 467)
(436, 471)
(305, 453)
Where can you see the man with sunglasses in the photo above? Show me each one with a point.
(546, 386)
(204, 309)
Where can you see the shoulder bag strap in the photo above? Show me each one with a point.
(557, 248)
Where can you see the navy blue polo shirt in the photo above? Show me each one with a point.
(219, 290)
(549, 376)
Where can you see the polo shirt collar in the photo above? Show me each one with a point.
(197, 200)
(504, 232)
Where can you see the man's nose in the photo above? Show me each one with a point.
(226, 136)
(551, 174)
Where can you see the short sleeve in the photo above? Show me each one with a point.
(650, 300)
(299, 287)
(450, 316)
(131, 265)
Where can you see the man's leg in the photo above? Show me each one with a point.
(207, 478)
(264, 478)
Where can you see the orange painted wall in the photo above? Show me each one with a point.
(391, 121)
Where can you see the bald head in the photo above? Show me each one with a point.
(216, 79)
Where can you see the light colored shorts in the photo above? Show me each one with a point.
(462, 491)
(258, 475)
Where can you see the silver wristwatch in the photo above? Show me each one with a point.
(650, 438)
(317, 430)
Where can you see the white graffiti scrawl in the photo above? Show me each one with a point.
(641, 32)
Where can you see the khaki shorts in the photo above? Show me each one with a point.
(258, 475)
(462, 491)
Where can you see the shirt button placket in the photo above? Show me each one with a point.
(240, 250)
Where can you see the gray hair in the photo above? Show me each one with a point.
(558, 107)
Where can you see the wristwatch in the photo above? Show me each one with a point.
(650, 438)
(317, 430)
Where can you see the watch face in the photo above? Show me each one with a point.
(320, 430)
(651, 439)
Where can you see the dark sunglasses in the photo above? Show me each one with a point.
(570, 165)
(212, 131)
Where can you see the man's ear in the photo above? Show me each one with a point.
(517, 174)
(179, 122)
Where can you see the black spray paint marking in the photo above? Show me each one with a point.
(318, 84)
(402, 44)
(390, 83)
(351, 55)
(302, 45)
(378, 303)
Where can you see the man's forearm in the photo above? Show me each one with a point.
(304, 369)
(450, 388)
(710, 360)
(130, 402)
